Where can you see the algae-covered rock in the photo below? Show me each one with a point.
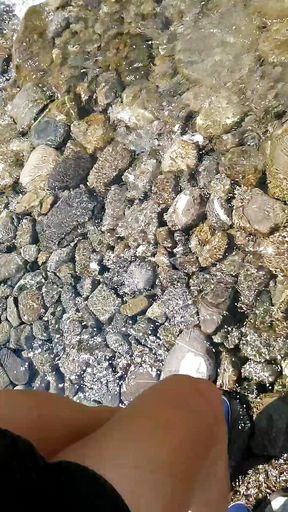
(219, 114)
(243, 165)
(181, 156)
(274, 251)
(93, 132)
(208, 247)
(28, 103)
(256, 212)
(273, 43)
(32, 49)
(186, 210)
(277, 164)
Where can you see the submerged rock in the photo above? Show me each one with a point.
(274, 251)
(50, 132)
(27, 104)
(257, 212)
(277, 168)
(112, 162)
(180, 157)
(186, 210)
(93, 132)
(243, 165)
(137, 381)
(74, 208)
(11, 265)
(219, 114)
(38, 167)
(135, 305)
(71, 170)
(191, 356)
(103, 303)
(271, 429)
(16, 369)
(140, 276)
(265, 373)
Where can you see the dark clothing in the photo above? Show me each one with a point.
(27, 478)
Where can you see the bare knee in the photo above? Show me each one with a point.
(187, 393)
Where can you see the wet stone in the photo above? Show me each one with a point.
(180, 307)
(30, 252)
(4, 379)
(114, 207)
(135, 306)
(12, 312)
(180, 157)
(140, 176)
(25, 232)
(265, 373)
(109, 87)
(191, 355)
(21, 337)
(16, 369)
(51, 292)
(244, 165)
(138, 380)
(140, 276)
(165, 189)
(29, 101)
(5, 328)
(111, 164)
(38, 167)
(7, 229)
(11, 266)
(186, 210)
(93, 132)
(103, 303)
(74, 208)
(30, 306)
(71, 170)
(50, 132)
(271, 429)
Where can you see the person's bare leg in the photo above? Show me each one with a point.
(49, 421)
(167, 452)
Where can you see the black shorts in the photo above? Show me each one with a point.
(26, 478)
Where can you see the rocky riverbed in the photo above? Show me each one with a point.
(143, 200)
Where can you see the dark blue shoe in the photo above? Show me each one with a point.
(238, 507)
(238, 428)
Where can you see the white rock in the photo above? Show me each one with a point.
(191, 356)
(38, 167)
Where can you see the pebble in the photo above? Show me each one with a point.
(94, 132)
(140, 176)
(7, 229)
(5, 328)
(11, 265)
(191, 356)
(71, 170)
(27, 104)
(179, 306)
(25, 232)
(180, 157)
(103, 303)
(4, 379)
(186, 210)
(109, 86)
(12, 312)
(243, 165)
(257, 212)
(16, 369)
(74, 208)
(137, 381)
(219, 114)
(39, 165)
(115, 205)
(229, 372)
(135, 306)
(165, 189)
(263, 372)
(30, 252)
(140, 276)
(271, 429)
(30, 306)
(111, 164)
(50, 132)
